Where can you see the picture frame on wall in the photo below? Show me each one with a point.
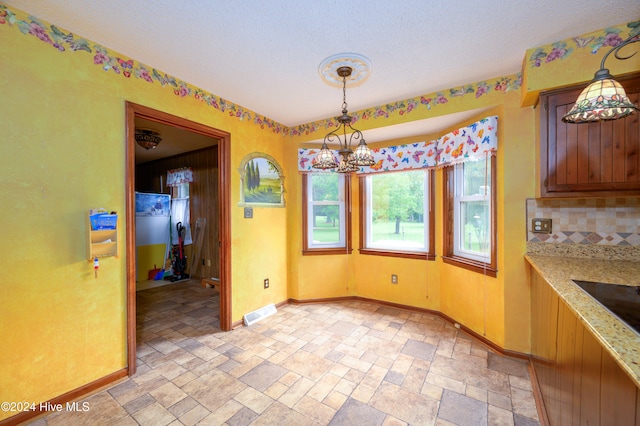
(261, 181)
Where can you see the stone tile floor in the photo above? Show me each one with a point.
(340, 363)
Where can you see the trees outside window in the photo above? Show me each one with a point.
(396, 214)
(469, 210)
(326, 217)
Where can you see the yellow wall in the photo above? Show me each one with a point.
(63, 152)
(497, 308)
(149, 258)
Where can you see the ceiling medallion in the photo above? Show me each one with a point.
(360, 69)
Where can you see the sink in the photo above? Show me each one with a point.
(621, 300)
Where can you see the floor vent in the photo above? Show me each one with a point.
(255, 316)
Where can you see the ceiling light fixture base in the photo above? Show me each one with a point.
(329, 69)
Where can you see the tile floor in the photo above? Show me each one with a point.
(340, 363)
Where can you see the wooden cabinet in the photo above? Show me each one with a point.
(580, 382)
(588, 159)
(101, 242)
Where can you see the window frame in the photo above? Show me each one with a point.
(346, 212)
(429, 223)
(450, 252)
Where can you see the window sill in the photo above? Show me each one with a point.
(315, 252)
(404, 254)
(471, 265)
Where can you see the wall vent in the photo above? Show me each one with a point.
(257, 315)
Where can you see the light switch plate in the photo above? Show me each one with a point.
(248, 212)
(541, 226)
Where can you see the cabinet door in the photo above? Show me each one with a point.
(581, 383)
(588, 159)
(544, 327)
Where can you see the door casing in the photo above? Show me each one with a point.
(224, 214)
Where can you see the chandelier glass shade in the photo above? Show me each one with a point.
(147, 138)
(604, 98)
(345, 135)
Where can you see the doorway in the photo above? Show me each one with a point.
(134, 111)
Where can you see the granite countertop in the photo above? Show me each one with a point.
(617, 338)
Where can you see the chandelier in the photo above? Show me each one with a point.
(604, 98)
(350, 160)
(147, 138)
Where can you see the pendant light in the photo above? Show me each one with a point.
(604, 98)
(350, 160)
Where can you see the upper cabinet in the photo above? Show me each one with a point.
(599, 159)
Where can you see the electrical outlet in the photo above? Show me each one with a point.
(266, 283)
(541, 226)
(394, 279)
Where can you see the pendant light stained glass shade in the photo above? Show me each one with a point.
(362, 155)
(346, 164)
(325, 159)
(604, 98)
(601, 100)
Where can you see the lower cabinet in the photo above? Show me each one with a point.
(580, 382)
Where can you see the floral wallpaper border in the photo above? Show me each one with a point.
(126, 67)
(407, 106)
(611, 37)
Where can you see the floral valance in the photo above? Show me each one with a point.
(176, 177)
(472, 142)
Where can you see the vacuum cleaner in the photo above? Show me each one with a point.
(179, 258)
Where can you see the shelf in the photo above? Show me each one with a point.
(101, 242)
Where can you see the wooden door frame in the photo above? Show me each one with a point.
(224, 210)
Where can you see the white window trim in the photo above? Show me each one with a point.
(369, 244)
(342, 242)
(458, 249)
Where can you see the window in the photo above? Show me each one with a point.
(469, 203)
(180, 212)
(326, 217)
(396, 214)
(180, 190)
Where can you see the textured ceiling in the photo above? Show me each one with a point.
(264, 55)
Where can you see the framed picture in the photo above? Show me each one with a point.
(262, 182)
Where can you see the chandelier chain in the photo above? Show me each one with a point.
(344, 94)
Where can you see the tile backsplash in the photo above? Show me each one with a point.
(587, 221)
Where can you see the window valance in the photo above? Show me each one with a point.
(472, 142)
(176, 177)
